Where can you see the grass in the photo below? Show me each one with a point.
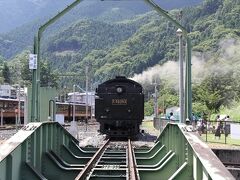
(233, 112)
(148, 125)
(229, 141)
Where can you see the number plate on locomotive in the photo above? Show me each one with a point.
(119, 101)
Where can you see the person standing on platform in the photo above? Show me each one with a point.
(194, 119)
(172, 118)
(218, 128)
(227, 125)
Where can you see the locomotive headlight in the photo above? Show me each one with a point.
(119, 89)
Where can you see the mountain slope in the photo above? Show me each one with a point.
(15, 13)
(35, 12)
(75, 42)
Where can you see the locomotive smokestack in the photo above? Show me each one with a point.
(120, 77)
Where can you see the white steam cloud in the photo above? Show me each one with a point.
(203, 64)
(168, 70)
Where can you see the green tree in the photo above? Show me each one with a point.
(168, 96)
(148, 108)
(26, 73)
(6, 73)
(199, 109)
(48, 78)
(215, 90)
(20, 64)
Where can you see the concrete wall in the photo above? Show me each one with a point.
(230, 156)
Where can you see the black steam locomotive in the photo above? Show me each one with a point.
(119, 107)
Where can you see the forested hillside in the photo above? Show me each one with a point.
(83, 37)
(89, 40)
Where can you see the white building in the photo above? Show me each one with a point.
(81, 98)
(7, 91)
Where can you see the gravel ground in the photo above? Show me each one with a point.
(88, 135)
(6, 134)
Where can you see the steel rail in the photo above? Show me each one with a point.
(83, 174)
(133, 175)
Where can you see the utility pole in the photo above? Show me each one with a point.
(156, 100)
(86, 95)
(74, 101)
(2, 116)
(91, 97)
(181, 90)
(19, 95)
(19, 104)
(74, 127)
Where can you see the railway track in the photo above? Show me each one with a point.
(6, 132)
(10, 127)
(232, 166)
(111, 162)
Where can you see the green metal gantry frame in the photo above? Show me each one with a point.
(35, 113)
